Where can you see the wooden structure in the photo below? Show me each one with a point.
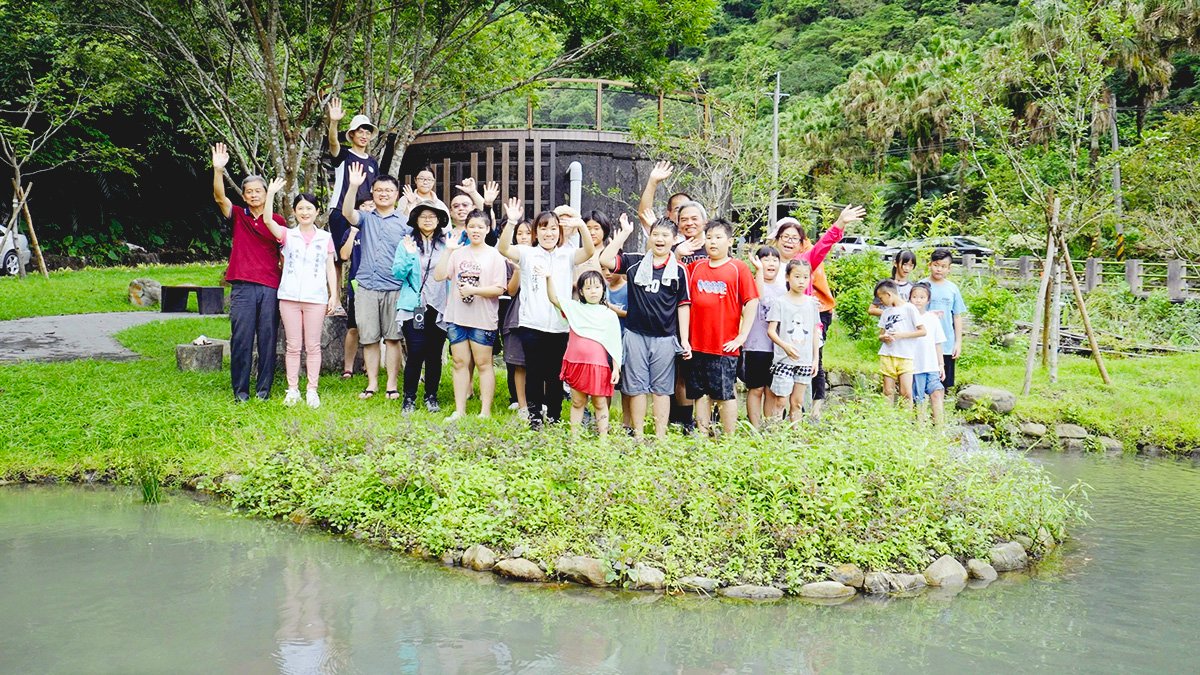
(527, 143)
(209, 299)
(1179, 278)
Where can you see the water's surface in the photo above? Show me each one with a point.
(92, 581)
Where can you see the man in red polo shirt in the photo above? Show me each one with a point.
(253, 273)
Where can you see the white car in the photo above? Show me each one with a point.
(858, 244)
(14, 252)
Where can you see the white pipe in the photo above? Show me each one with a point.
(575, 176)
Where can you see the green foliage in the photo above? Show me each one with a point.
(756, 508)
(1122, 319)
(852, 279)
(93, 289)
(993, 308)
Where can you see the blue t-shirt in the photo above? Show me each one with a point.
(619, 297)
(378, 238)
(945, 299)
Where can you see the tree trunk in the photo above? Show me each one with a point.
(1043, 288)
(1055, 322)
(1047, 312)
(23, 199)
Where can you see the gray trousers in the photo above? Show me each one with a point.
(254, 318)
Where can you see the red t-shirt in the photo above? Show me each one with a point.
(718, 295)
(255, 253)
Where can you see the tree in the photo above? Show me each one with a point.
(258, 73)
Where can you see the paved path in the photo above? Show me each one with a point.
(72, 336)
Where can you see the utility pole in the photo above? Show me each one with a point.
(774, 213)
(1118, 207)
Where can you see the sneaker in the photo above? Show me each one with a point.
(516, 406)
(292, 398)
(454, 417)
(312, 399)
(522, 413)
(410, 405)
(431, 404)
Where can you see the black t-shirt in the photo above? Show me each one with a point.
(652, 308)
(341, 183)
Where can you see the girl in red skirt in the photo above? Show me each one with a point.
(592, 363)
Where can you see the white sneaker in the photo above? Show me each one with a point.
(313, 400)
(523, 413)
(514, 406)
(454, 417)
(292, 398)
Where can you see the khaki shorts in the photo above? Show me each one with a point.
(895, 366)
(375, 314)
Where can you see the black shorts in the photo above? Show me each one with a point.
(712, 375)
(949, 362)
(755, 371)
(348, 305)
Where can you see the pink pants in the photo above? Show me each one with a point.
(302, 324)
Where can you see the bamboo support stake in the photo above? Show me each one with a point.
(1082, 305)
(23, 197)
(1039, 306)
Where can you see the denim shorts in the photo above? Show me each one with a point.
(479, 336)
(925, 384)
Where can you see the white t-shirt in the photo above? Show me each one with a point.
(535, 311)
(902, 319)
(928, 358)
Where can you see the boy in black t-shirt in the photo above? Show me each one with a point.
(358, 136)
(656, 326)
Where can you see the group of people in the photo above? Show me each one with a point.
(658, 309)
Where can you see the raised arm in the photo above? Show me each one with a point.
(357, 176)
(513, 212)
(470, 189)
(588, 249)
(220, 158)
(608, 257)
(817, 254)
(335, 116)
(268, 210)
(658, 174)
(551, 292)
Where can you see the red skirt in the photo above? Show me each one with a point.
(591, 379)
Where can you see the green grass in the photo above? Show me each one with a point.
(101, 289)
(1151, 400)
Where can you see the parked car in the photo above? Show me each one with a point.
(958, 244)
(858, 244)
(14, 252)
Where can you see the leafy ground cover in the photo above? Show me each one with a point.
(95, 289)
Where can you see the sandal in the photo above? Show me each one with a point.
(347, 374)
(393, 394)
(366, 394)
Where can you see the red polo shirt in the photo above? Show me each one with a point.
(255, 254)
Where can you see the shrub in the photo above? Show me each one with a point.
(866, 487)
(993, 308)
(852, 279)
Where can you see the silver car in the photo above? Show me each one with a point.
(14, 252)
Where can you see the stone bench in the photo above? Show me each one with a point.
(209, 299)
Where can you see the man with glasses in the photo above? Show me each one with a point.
(382, 230)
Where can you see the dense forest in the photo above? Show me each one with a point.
(942, 115)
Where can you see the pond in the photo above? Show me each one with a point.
(93, 581)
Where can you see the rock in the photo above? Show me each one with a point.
(878, 583)
(300, 517)
(582, 570)
(945, 571)
(999, 400)
(450, 558)
(1025, 542)
(1008, 556)
(232, 479)
(839, 378)
(333, 340)
(841, 391)
(518, 552)
(978, 569)
(519, 569)
(199, 357)
(145, 292)
(479, 558)
(907, 583)
(1111, 445)
(826, 590)
(646, 578)
(1151, 450)
(1065, 431)
(1045, 539)
(983, 432)
(849, 575)
(1033, 429)
(698, 584)
(751, 592)
(1073, 445)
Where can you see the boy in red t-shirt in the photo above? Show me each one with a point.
(724, 301)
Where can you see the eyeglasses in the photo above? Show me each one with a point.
(793, 239)
(422, 179)
(384, 190)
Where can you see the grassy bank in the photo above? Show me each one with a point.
(100, 289)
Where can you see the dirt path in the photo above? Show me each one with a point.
(72, 336)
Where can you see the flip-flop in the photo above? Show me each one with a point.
(393, 394)
(366, 394)
(347, 374)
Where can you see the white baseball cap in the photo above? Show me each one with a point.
(359, 122)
